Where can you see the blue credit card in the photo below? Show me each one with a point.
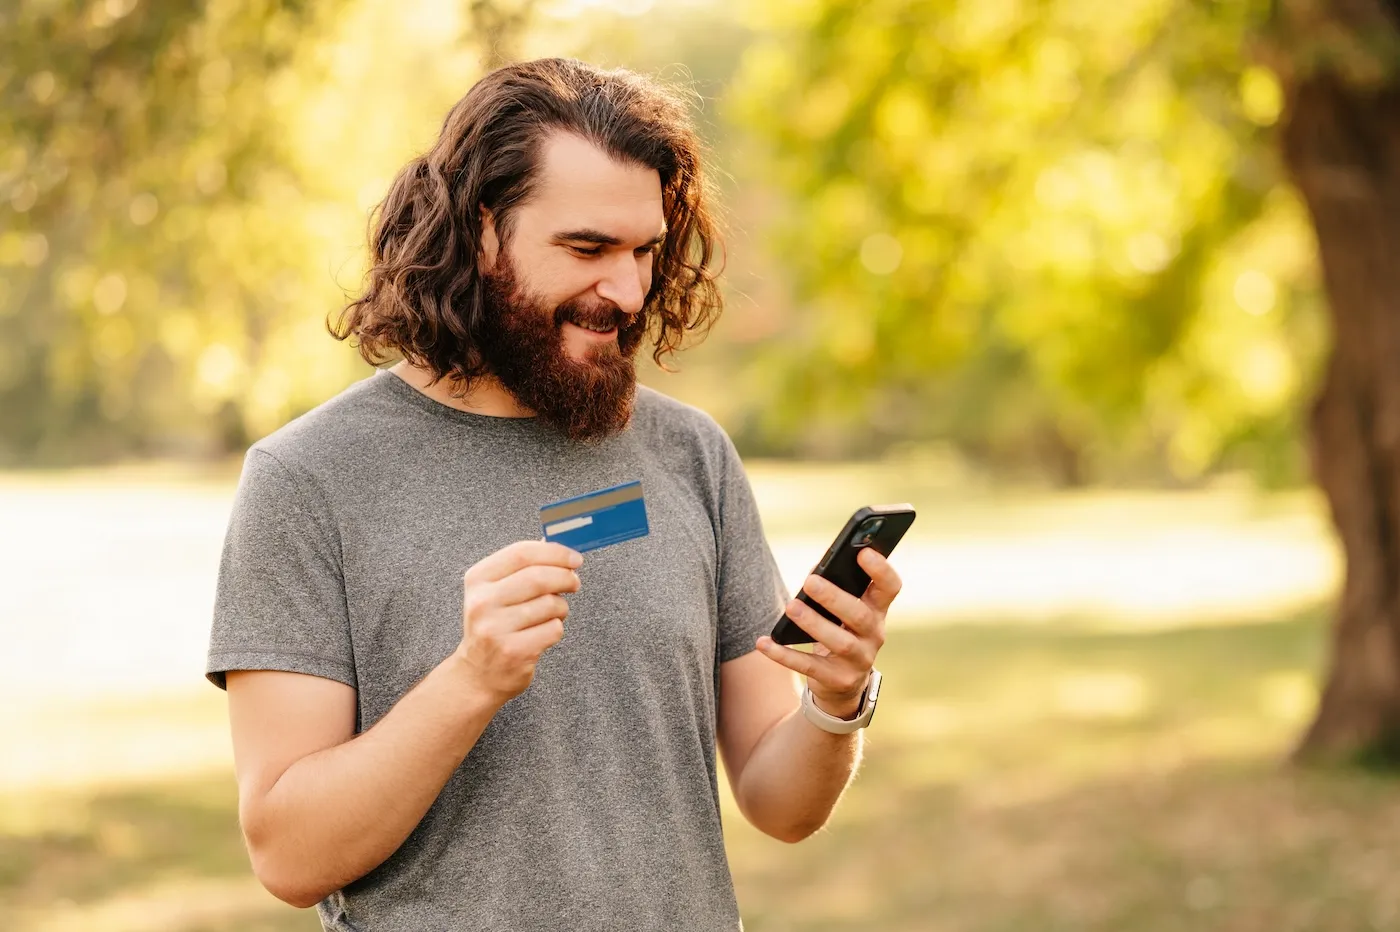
(607, 516)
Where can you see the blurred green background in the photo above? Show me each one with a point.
(1036, 266)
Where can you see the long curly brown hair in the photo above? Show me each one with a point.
(423, 294)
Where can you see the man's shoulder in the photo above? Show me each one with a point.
(660, 414)
(339, 429)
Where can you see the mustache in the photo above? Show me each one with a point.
(605, 315)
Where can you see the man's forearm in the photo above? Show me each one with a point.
(335, 815)
(795, 776)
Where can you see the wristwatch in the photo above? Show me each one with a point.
(844, 726)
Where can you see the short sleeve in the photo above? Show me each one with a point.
(751, 593)
(280, 602)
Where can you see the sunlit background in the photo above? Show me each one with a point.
(1032, 265)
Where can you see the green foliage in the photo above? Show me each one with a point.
(1046, 229)
(143, 260)
(184, 191)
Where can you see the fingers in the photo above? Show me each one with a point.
(795, 660)
(536, 611)
(840, 664)
(854, 613)
(531, 582)
(884, 581)
(517, 556)
(539, 638)
(833, 637)
(831, 676)
(481, 610)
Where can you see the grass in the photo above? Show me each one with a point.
(1031, 778)
(1017, 777)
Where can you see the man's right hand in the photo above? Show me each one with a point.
(513, 610)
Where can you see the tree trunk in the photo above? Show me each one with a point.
(1342, 147)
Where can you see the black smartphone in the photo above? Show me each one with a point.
(876, 526)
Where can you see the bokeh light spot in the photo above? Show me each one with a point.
(109, 294)
(881, 253)
(144, 208)
(34, 250)
(1149, 252)
(1266, 373)
(218, 370)
(25, 196)
(41, 86)
(1261, 97)
(210, 177)
(1255, 292)
(116, 9)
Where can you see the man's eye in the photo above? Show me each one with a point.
(582, 251)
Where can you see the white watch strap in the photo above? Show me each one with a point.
(843, 726)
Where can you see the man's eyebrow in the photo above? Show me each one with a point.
(587, 235)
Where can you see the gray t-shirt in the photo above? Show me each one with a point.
(591, 801)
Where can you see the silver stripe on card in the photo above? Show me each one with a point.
(572, 524)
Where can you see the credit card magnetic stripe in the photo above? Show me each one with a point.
(593, 501)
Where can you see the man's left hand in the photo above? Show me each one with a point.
(839, 665)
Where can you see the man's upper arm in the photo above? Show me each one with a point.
(278, 718)
(754, 695)
(280, 602)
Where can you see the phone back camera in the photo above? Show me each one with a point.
(867, 531)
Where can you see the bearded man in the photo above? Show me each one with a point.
(428, 734)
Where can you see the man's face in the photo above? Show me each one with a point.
(564, 297)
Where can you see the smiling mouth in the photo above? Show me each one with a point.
(595, 327)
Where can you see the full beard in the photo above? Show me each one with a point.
(521, 342)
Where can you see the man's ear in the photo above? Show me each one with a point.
(490, 242)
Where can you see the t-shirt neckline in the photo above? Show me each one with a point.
(432, 406)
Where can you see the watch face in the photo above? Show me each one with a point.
(872, 717)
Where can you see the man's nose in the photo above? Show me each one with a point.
(626, 284)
